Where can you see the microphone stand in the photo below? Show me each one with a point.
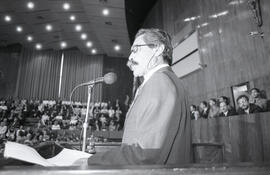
(85, 124)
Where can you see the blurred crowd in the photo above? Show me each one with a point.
(34, 121)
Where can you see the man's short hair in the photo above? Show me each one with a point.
(204, 103)
(242, 96)
(157, 36)
(226, 103)
(194, 106)
(225, 99)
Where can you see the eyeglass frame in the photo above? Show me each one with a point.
(133, 50)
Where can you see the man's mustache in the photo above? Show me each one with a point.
(131, 63)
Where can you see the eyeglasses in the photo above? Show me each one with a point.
(135, 48)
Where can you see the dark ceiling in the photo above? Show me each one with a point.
(136, 12)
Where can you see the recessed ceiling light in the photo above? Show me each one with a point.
(83, 36)
(105, 12)
(63, 44)
(78, 27)
(38, 46)
(89, 44)
(72, 17)
(19, 29)
(29, 38)
(93, 51)
(7, 18)
(48, 27)
(30, 5)
(117, 47)
(66, 6)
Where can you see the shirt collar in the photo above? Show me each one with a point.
(152, 71)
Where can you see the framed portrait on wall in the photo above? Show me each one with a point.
(240, 89)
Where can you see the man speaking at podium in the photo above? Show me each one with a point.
(157, 127)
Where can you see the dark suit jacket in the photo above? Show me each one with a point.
(204, 114)
(157, 127)
(252, 109)
(230, 113)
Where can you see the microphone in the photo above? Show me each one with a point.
(108, 78)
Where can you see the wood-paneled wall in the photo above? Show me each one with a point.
(245, 138)
(232, 56)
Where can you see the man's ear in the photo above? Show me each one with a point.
(160, 49)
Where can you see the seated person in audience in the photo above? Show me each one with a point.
(225, 110)
(104, 109)
(20, 134)
(45, 118)
(111, 112)
(255, 98)
(59, 117)
(3, 130)
(112, 126)
(72, 127)
(11, 134)
(204, 109)
(104, 122)
(245, 107)
(55, 125)
(118, 113)
(46, 136)
(74, 119)
(97, 125)
(226, 100)
(213, 108)
(65, 124)
(194, 113)
(28, 140)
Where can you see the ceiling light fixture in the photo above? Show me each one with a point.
(83, 36)
(30, 5)
(19, 29)
(89, 44)
(117, 47)
(7, 18)
(29, 38)
(63, 44)
(93, 51)
(72, 17)
(105, 12)
(66, 6)
(48, 27)
(78, 27)
(38, 46)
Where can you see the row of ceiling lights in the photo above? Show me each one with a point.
(49, 27)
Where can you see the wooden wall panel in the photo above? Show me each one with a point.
(245, 137)
(231, 55)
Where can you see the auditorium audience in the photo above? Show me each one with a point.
(245, 107)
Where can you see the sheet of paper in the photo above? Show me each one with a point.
(67, 157)
(24, 153)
